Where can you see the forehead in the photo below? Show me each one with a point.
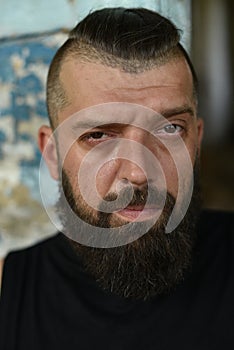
(88, 83)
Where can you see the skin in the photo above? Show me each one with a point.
(163, 88)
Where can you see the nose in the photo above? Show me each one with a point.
(129, 171)
(132, 162)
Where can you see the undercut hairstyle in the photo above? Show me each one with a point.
(133, 40)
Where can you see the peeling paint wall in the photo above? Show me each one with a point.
(29, 37)
(23, 69)
(40, 16)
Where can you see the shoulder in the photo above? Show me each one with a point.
(24, 262)
(43, 246)
(32, 255)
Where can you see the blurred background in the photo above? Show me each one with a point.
(212, 48)
(31, 32)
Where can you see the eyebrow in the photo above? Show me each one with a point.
(90, 123)
(87, 124)
(185, 109)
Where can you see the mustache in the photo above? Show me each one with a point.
(130, 196)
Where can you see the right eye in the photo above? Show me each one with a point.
(96, 137)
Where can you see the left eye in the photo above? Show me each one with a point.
(171, 129)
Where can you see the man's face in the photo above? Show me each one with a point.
(164, 89)
(167, 90)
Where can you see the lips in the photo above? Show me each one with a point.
(133, 212)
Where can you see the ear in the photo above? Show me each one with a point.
(47, 146)
(200, 129)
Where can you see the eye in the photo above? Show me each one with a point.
(96, 137)
(170, 129)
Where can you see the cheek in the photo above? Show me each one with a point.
(88, 176)
(193, 141)
(71, 164)
(105, 177)
(178, 168)
(171, 175)
(192, 147)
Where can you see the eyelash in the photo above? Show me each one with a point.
(175, 126)
(87, 137)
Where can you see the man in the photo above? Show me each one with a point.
(137, 266)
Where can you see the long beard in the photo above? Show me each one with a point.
(152, 265)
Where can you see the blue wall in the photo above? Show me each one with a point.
(23, 70)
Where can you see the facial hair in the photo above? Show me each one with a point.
(152, 265)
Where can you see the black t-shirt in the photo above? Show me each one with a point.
(49, 302)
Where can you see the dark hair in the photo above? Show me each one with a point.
(133, 39)
(127, 33)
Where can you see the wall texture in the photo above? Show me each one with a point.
(29, 36)
(23, 69)
(39, 16)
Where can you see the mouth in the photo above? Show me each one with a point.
(138, 212)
